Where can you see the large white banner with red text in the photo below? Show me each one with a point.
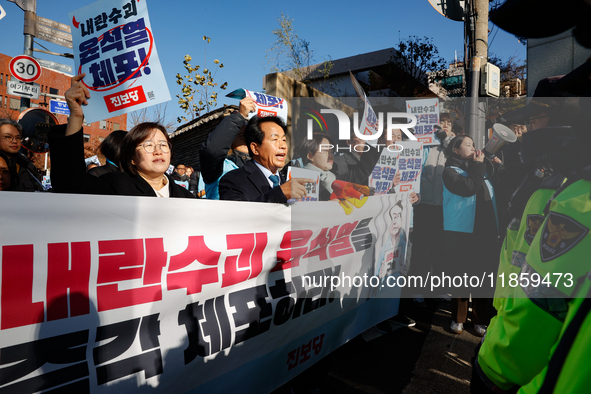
(123, 294)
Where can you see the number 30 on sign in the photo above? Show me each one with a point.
(25, 68)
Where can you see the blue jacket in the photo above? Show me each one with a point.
(459, 211)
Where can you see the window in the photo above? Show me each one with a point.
(101, 139)
(1, 100)
(15, 103)
(53, 91)
(115, 126)
(86, 137)
(103, 125)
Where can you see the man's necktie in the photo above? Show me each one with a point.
(274, 179)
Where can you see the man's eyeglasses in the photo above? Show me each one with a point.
(150, 147)
(11, 138)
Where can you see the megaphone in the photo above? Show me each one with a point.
(500, 137)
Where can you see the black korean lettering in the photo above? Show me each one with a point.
(218, 331)
(284, 307)
(258, 318)
(124, 334)
(361, 236)
(29, 357)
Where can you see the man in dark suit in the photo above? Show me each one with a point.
(259, 179)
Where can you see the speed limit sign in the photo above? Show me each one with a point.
(25, 68)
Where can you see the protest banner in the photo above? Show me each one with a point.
(266, 105)
(114, 45)
(162, 295)
(427, 114)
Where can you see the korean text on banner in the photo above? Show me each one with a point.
(427, 113)
(266, 105)
(161, 295)
(114, 46)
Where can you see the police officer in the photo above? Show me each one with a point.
(569, 368)
(528, 324)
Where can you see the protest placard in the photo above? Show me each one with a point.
(312, 188)
(266, 105)
(114, 46)
(427, 114)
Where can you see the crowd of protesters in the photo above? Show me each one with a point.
(481, 212)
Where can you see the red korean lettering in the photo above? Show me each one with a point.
(318, 344)
(249, 263)
(122, 260)
(294, 245)
(319, 245)
(342, 245)
(292, 359)
(193, 280)
(305, 351)
(68, 273)
(17, 307)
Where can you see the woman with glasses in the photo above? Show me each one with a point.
(145, 156)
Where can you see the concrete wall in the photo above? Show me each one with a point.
(556, 55)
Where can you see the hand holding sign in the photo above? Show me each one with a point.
(295, 188)
(247, 105)
(76, 97)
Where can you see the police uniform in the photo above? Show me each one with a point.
(520, 234)
(569, 368)
(520, 338)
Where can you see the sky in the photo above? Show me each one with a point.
(242, 32)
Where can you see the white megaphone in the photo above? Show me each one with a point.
(501, 135)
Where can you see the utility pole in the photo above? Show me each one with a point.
(30, 8)
(477, 25)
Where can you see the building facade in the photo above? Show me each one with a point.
(53, 83)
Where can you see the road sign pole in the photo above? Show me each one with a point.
(28, 50)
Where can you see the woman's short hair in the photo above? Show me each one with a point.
(136, 136)
(310, 146)
(455, 144)
(111, 146)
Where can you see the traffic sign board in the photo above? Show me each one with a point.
(25, 68)
(17, 88)
(55, 66)
(59, 107)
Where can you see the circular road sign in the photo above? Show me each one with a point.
(25, 68)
